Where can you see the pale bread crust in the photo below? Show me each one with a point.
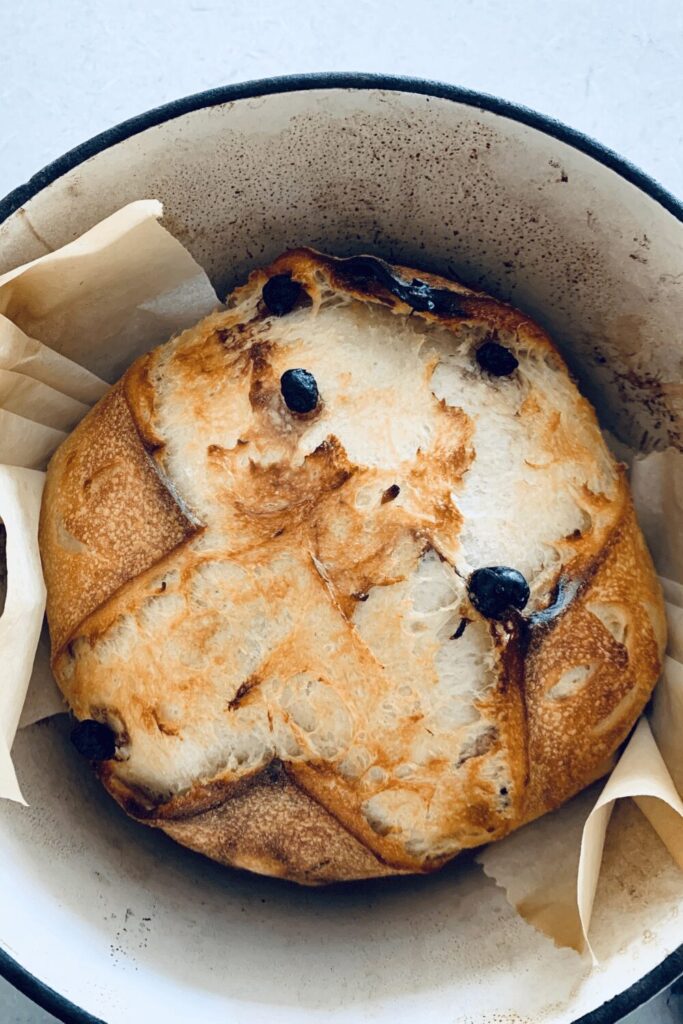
(271, 826)
(295, 822)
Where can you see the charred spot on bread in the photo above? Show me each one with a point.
(392, 492)
(565, 591)
(274, 771)
(462, 626)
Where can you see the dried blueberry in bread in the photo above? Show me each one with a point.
(281, 294)
(93, 740)
(496, 589)
(299, 390)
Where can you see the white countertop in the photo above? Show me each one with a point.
(72, 68)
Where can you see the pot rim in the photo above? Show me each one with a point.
(671, 967)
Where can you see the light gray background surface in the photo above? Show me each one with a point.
(72, 68)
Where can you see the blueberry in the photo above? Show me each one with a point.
(94, 740)
(281, 294)
(496, 359)
(364, 272)
(299, 390)
(496, 589)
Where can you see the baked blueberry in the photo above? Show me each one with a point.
(299, 390)
(281, 294)
(94, 740)
(364, 272)
(496, 359)
(496, 589)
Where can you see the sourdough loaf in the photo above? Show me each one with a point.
(266, 593)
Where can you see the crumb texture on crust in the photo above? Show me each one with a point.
(234, 585)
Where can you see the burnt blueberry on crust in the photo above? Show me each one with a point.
(94, 740)
(496, 589)
(299, 390)
(281, 294)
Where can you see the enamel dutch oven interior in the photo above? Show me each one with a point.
(103, 919)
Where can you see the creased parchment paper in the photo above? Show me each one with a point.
(70, 323)
(118, 290)
(24, 604)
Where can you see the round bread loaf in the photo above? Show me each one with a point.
(344, 580)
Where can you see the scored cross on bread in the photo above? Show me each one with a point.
(265, 551)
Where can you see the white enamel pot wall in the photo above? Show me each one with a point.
(103, 919)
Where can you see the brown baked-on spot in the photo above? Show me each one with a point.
(234, 335)
(264, 388)
(279, 495)
(391, 493)
(480, 817)
(244, 689)
(258, 353)
(151, 719)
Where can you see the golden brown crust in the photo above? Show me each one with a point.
(305, 266)
(106, 516)
(570, 685)
(572, 737)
